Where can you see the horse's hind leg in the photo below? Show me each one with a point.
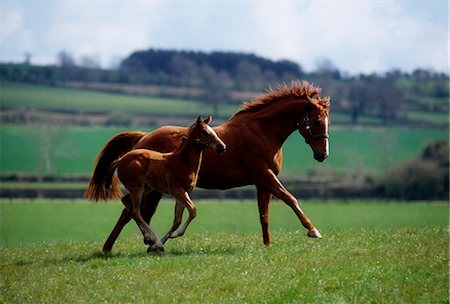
(149, 204)
(150, 237)
(124, 219)
(148, 207)
(264, 198)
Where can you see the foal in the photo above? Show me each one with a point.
(175, 173)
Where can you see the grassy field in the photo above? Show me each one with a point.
(350, 150)
(371, 253)
(41, 97)
(73, 149)
(59, 220)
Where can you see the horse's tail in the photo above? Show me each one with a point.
(104, 184)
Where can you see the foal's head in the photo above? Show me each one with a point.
(314, 126)
(204, 136)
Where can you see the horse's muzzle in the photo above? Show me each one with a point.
(220, 149)
(320, 157)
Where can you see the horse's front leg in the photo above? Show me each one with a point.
(189, 204)
(269, 180)
(183, 201)
(179, 207)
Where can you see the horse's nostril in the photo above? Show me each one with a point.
(220, 149)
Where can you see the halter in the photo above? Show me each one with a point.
(201, 144)
(307, 124)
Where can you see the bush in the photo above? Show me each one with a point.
(426, 177)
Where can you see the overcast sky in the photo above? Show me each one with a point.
(357, 36)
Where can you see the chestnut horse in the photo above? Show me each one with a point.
(175, 173)
(254, 136)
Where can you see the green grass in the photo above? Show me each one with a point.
(360, 149)
(441, 118)
(40, 97)
(401, 259)
(21, 148)
(32, 222)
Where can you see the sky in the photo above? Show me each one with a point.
(356, 36)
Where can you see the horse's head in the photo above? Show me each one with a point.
(205, 137)
(314, 126)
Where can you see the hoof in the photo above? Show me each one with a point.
(148, 241)
(314, 234)
(155, 249)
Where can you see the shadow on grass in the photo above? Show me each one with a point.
(101, 256)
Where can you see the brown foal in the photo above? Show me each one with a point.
(142, 171)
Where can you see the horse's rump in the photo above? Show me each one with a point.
(104, 184)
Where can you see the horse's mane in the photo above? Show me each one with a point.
(297, 88)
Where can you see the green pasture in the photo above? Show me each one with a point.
(361, 149)
(72, 150)
(41, 97)
(33, 222)
(371, 252)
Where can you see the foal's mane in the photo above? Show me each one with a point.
(297, 88)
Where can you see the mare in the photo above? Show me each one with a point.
(254, 137)
(175, 173)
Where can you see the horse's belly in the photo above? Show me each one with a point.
(220, 182)
(221, 172)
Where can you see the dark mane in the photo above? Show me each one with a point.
(297, 88)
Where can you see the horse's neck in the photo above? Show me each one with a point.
(276, 121)
(189, 156)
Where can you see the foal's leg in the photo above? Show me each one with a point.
(269, 180)
(179, 208)
(148, 207)
(149, 235)
(192, 214)
(183, 201)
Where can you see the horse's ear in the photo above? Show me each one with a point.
(199, 121)
(208, 120)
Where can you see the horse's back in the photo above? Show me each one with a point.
(139, 161)
(163, 139)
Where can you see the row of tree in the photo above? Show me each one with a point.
(238, 71)
(218, 74)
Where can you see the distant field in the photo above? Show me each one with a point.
(371, 253)
(350, 149)
(361, 149)
(74, 149)
(40, 97)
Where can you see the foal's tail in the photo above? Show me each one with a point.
(104, 184)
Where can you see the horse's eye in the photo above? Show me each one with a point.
(317, 122)
(205, 133)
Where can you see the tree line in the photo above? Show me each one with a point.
(217, 74)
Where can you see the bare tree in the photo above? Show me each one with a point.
(65, 59)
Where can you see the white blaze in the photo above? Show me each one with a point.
(211, 130)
